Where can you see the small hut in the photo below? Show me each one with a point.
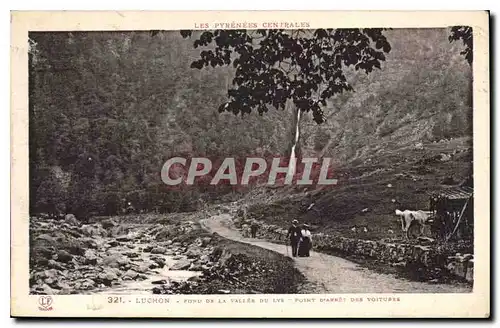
(453, 211)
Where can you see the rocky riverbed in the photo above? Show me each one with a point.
(144, 256)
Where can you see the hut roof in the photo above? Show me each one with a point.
(456, 192)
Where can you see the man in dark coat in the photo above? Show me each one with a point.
(253, 229)
(294, 233)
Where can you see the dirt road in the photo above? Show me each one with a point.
(329, 274)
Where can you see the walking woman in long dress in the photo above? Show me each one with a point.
(305, 243)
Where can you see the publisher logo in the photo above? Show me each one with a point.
(45, 303)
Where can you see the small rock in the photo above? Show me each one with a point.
(425, 239)
(159, 261)
(106, 224)
(130, 275)
(107, 277)
(195, 267)
(113, 243)
(71, 220)
(62, 285)
(193, 253)
(47, 238)
(64, 256)
(47, 290)
(157, 290)
(181, 265)
(124, 238)
(194, 279)
(90, 257)
(87, 284)
(93, 230)
(158, 250)
(55, 265)
(132, 254)
(445, 157)
(468, 257)
(115, 261)
(204, 259)
(144, 267)
(154, 265)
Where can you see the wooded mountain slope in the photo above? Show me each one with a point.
(108, 108)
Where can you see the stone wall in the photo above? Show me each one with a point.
(426, 254)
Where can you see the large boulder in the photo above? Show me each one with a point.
(205, 241)
(130, 275)
(132, 254)
(158, 250)
(55, 265)
(182, 264)
(204, 259)
(64, 256)
(193, 252)
(90, 257)
(46, 274)
(93, 230)
(144, 267)
(163, 233)
(159, 261)
(107, 277)
(45, 289)
(71, 220)
(87, 284)
(106, 224)
(115, 261)
(125, 238)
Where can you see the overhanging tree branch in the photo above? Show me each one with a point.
(316, 58)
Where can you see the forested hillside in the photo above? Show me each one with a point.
(108, 108)
(423, 93)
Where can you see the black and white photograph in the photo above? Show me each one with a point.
(392, 109)
(252, 158)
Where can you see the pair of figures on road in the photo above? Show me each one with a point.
(300, 239)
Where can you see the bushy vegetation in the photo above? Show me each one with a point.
(108, 108)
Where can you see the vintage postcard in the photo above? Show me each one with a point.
(250, 164)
